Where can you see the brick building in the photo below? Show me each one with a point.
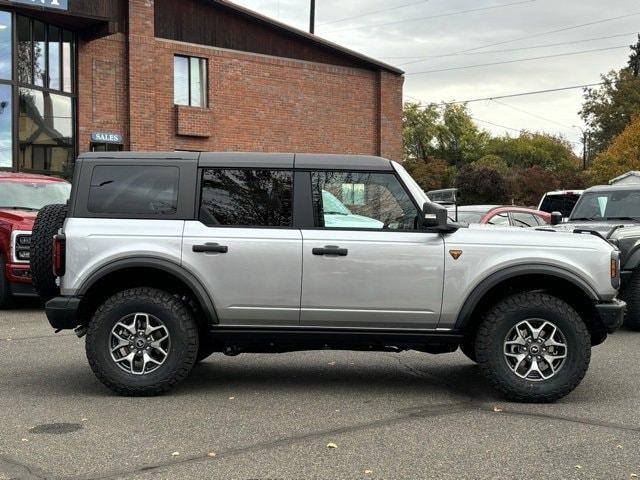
(79, 75)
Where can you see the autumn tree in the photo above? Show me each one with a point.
(479, 185)
(608, 109)
(622, 156)
(459, 141)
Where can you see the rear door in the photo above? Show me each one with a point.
(244, 248)
(365, 263)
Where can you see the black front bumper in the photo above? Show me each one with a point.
(62, 312)
(612, 314)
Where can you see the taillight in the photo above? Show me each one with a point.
(59, 245)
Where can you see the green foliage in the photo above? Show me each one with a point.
(494, 162)
(534, 149)
(459, 140)
(420, 127)
(609, 109)
(634, 59)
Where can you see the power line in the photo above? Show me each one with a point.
(507, 50)
(518, 60)
(518, 130)
(373, 13)
(548, 32)
(535, 115)
(447, 14)
(521, 94)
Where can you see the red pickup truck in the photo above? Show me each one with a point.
(21, 196)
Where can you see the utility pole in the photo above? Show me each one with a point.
(312, 19)
(585, 146)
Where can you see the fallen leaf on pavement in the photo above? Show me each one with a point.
(368, 472)
(175, 454)
(497, 409)
(232, 398)
(332, 445)
(578, 467)
(633, 475)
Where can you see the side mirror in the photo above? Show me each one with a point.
(556, 218)
(435, 216)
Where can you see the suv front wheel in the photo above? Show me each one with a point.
(142, 342)
(533, 347)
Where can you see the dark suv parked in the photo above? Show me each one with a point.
(614, 212)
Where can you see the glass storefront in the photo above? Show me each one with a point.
(37, 96)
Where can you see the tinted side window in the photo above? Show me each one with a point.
(361, 200)
(245, 197)
(524, 220)
(138, 190)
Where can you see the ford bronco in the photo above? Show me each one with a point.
(163, 259)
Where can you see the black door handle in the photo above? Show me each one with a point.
(331, 250)
(210, 248)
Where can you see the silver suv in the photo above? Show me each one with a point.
(163, 259)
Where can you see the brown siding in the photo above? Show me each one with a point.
(207, 23)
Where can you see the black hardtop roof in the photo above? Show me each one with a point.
(255, 160)
(614, 188)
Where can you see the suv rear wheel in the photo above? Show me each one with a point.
(631, 295)
(142, 342)
(533, 347)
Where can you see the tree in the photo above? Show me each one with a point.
(431, 174)
(622, 156)
(535, 149)
(608, 109)
(494, 162)
(478, 185)
(634, 59)
(459, 140)
(419, 131)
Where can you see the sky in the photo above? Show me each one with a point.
(455, 36)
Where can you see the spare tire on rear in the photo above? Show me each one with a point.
(48, 222)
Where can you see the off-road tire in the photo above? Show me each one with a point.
(49, 220)
(182, 328)
(496, 325)
(5, 295)
(631, 295)
(469, 350)
(205, 351)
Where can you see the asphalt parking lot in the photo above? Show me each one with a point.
(407, 415)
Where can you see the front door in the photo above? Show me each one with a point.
(366, 264)
(244, 248)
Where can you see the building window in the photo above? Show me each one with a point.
(37, 129)
(5, 46)
(6, 130)
(45, 132)
(190, 81)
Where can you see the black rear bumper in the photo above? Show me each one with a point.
(612, 314)
(62, 312)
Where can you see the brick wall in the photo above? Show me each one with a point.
(256, 103)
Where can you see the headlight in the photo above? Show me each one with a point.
(22, 247)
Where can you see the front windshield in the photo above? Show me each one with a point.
(613, 205)
(32, 195)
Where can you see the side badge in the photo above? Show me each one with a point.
(456, 254)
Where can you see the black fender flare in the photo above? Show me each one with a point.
(167, 266)
(485, 285)
(632, 260)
